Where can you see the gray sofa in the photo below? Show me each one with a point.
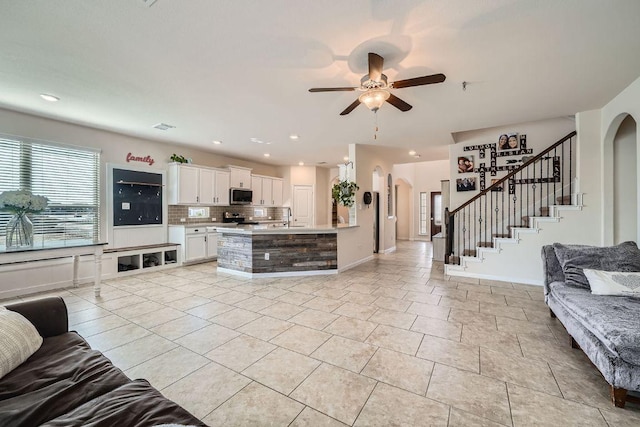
(606, 328)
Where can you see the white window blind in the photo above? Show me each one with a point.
(68, 176)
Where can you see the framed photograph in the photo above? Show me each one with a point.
(508, 141)
(465, 164)
(466, 184)
(498, 188)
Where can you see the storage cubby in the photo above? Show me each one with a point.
(171, 256)
(128, 263)
(140, 259)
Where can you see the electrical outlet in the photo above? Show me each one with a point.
(183, 219)
(266, 256)
(214, 219)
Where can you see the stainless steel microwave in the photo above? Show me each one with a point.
(240, 196)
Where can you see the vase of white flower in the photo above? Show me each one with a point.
(19, 232)
(20, 228)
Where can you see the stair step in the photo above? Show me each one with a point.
(501, 236)
(469, 252)
(453, 259)
(544, 211)
(564, 200)
(485, 244)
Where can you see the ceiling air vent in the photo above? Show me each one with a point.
(322, 163)
(163, 126)
(148, 3)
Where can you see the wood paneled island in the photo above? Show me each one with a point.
(277, 251)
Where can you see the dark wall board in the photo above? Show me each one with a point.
(137, 198)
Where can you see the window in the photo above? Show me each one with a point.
(423, 214)
(68, 176)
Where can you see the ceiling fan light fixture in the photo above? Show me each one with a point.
(374, 98)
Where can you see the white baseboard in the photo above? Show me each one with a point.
(461, 273)
(355, 264)
(277, 274)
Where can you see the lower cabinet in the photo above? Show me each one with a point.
(198, 243)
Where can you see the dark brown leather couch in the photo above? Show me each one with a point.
(66, 383)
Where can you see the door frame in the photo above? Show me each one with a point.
(431, 216)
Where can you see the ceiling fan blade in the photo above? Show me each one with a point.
(398, 103)
(419, 81)
(351, 107)
(375, 66)
(332, 89)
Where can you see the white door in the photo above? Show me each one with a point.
(302, 205)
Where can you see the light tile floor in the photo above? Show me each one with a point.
(390, 342)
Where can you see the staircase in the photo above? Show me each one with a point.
(536, 197)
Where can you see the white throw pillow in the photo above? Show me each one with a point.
(613, 283)
(19, 339)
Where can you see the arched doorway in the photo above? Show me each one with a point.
(625, 182)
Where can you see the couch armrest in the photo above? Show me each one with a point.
(48, 315)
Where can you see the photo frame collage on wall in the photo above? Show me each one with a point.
(510, 144)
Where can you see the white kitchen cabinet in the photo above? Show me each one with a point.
(182, 184)
(195, 247)
(221, 189)
(206, 182)
(197, 242)
(276, 190)
(212, 244)
(240, 177)
(267, 191)
(196, 185)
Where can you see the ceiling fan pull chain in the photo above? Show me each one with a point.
(375, 134)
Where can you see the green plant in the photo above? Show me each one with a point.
(178, 159)
(344, 193)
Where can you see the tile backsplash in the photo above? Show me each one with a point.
(176, 212)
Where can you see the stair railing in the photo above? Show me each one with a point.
(542, 181)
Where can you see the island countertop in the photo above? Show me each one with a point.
(270, 229)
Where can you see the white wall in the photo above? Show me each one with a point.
(355, 244)
(594, 223)
(423, 177)
(627, 103)
(540, 135)
(115, 148)
(404, 209)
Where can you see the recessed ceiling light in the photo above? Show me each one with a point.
(267, 155)
(217, 142)
(412, 152)
(163, 126)
(301, 163)
(294, 137)
(50, 98)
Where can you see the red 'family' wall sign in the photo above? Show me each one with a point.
(146, 159)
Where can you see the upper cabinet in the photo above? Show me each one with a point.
(267, 191)
(240, 177)
(276, 191)
(194, 185)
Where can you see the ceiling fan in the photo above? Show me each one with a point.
(375, 87)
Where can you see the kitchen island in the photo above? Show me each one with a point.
(268, 251)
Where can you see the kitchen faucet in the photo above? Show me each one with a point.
(288, 216)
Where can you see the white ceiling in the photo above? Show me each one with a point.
(236, 70)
